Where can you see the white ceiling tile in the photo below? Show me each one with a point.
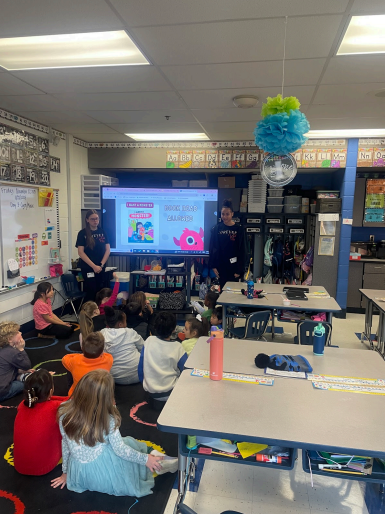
(231, 136)
(213, 42)
(213, 115)
(49, 117)
(156, 128)
(223, 98)
(10, 85)
(312, 36)
(230, 126)
(38, 17)
(84, 128)
(348, 93)
(355, 69)
(141, 116)
(104, 138)
(31, 103)
(345, 110)
(347, 123)
(107, 79)
(250, 74)
(148, 12)
(369, 6)
(123, 101)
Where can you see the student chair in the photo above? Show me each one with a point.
(305, 331)
(254, 328)
(71, 292)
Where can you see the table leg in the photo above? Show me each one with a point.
(368, 323)
(329, 317)
(182, 470)
(272, 325)
(224, 320)
(381, 335)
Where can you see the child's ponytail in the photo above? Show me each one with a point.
(37, 387)
(85, 318)
(200, 325)
(42, 288)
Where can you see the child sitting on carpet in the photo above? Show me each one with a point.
(135, 320)
(90, 320)
(107, 296)
(95, 456)
(124, 344)
(93, 357)
(211, 299)
(147, 310)
(162, 360)
(46, 322)
(36, 435)
(193, 329)
(216, 318)
(14, 361)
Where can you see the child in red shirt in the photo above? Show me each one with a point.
(37, 439)
(107, 296)
(93, 357)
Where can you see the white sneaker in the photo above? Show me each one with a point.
(169, 464)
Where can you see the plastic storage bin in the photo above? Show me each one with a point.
(124, 281)
(292, 208)
(274, 208)
(293, 199)
(328, 194)
(276, 191)
(275, 200)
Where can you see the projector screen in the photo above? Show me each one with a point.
(159, 221)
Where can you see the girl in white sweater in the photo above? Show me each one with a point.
(124, 344)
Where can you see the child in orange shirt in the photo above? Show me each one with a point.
(93, 357)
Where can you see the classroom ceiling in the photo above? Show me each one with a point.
(202, 54)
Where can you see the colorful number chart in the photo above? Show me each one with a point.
(235, 377)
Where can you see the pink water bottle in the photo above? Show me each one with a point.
(216, 354)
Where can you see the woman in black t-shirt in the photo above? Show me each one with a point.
(94, 250)
(227, 247)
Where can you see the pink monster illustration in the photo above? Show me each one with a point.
(190, 240)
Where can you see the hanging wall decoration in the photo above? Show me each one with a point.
(280, 133)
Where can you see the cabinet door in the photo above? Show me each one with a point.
(374, 281)
(354, 284)
(373, 267)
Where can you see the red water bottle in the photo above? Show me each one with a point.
(216, 354)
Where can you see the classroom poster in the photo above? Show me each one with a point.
(26, 254)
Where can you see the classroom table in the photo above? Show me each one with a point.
(290, 413)
(371, 295)
(231, 296)
(239, 355)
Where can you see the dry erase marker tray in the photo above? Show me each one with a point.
(287, 464)
(377, 475)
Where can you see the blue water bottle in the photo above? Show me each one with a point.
(319, 339)
(250, 289)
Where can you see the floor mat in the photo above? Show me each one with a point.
(30, 495)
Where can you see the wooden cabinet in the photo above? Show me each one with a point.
(364, 275)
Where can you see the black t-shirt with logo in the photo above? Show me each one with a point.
(97, 252)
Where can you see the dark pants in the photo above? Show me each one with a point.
(59, 331)
(226, 274)
(92, 285)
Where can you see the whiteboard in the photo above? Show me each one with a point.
(28, 232)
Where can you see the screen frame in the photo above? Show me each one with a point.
(160, 254)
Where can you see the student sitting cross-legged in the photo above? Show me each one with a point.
(161, 360)
(135, 320)
(124, 344)
(36, 434)
(93, 357)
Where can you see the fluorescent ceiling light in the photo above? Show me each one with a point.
(168, 137)
(317, 134)
(365, 35)
(70, 51)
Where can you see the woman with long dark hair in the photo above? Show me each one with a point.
(94, 250)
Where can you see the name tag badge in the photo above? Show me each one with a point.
(90, 275)
(234, 259)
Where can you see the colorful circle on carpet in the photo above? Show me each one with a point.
(93, 512)
(67, 347)
(55, 341)
(8, 456)
(53, 360)
(19, 505)
(133, 415)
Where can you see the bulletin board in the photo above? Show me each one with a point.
(27, 232)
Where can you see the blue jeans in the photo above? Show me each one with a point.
(16, 388)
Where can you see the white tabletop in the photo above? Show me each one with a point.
(372, 294)
(274, 298)
(239, 355)
(291, 413)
